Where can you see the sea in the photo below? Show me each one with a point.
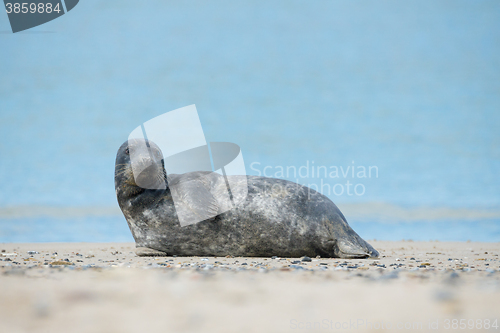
(390, 108)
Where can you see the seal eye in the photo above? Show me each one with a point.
(127, 151)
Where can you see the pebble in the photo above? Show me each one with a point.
(15, 271)
(444, 296)
(447, 269)
(392, 275)
(61, 263)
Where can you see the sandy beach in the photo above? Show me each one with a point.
(105, 287)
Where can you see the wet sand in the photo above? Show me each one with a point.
(105, 287)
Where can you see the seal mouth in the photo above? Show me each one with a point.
(152, 177)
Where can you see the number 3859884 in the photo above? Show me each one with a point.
(25, 8)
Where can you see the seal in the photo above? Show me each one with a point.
(277, 217)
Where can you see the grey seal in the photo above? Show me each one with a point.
(277, 217)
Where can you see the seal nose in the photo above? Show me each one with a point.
(148, 173)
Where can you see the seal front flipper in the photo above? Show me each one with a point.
(148, 252)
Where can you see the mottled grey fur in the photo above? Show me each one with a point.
(278, 218)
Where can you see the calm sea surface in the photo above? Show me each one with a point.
(411, 89)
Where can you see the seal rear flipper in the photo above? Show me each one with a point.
(373, 253)
(349, 250)
(148, 252)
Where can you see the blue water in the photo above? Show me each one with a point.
(115, 229)
(81, 229)
(412, 88)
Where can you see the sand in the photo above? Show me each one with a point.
(105, 287)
